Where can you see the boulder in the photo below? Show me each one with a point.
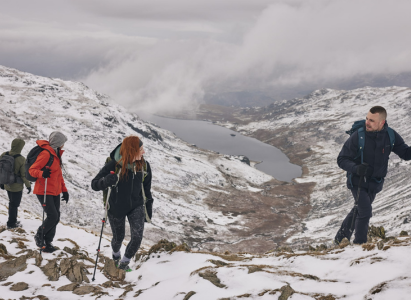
(286, 292)
(51, 270)
(11, 267)
(83, 290)
(20, 286)
(380, 245)
(112, 272)
(374, 231)
(75, 271)
(403, 233)
(3, 249)
(68, 287)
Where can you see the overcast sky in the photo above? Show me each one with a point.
(169, 53)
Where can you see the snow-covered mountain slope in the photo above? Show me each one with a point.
(206, 199)
(311, 131)
(378, 270)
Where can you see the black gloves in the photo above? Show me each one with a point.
(110, 179)
(65, 197)
(2, 186)
(46, 173)
(28, 190)
(364, 170)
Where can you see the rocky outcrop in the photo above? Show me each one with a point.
(51, 270)
(112, 272)
(11, 267)
(75, 271)
(20, 286)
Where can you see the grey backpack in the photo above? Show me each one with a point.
(7, 175)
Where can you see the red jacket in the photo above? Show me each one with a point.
(55, 184)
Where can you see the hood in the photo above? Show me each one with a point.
(115, 154)
(46, 145)
(16, 146)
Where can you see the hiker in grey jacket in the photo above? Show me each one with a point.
(15, 190)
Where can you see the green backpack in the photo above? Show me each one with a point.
(117, 171)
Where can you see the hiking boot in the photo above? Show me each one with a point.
(49, 248)
(39, 241)
(339, 237)
(116, 260)
(16, 225)
(124, 266)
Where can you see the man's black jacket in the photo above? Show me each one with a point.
(377, 150)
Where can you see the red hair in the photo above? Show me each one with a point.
(129, 150)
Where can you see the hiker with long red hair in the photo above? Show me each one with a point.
(128, 175)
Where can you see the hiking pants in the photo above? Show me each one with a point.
(118, 227)
(52, 209)
(363, 217)
(14, 203)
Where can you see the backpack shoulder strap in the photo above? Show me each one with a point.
(361, 143)
(391, 134)
(17, 155)
(51, 159)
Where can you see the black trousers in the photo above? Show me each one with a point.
(14, 203)
(52, 210)
(136, 219)
(363, 217)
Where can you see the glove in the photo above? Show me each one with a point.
(110, 179)
(65, 197)
(29, 189)
(364, 170)
(2, 186)
(46, 173)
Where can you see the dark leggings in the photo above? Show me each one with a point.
(52, 209)
(14, 203)
(118, 227)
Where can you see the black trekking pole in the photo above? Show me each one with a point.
(44, 208)
(103, 221)
(354, 217)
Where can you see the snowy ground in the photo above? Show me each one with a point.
(349, 273)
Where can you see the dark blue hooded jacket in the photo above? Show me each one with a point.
(377, 150)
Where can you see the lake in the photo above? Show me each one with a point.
(209, 136)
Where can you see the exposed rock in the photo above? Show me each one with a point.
(38, 257)
(403, 233)
(344, 243)
(286, 291)
(83, 290)
(112, 272)
(68, 287)
(322, 247)
(3, 249)
(51, 270)
(368, 246)
(20, 286)
(127, 289)
(284, 249)
(75, 271)
(212, 277)
(218, 263)
(376, 232)
(107, 284)
(189, 294)
(11, 267)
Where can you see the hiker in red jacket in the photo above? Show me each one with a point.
(55, 186)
